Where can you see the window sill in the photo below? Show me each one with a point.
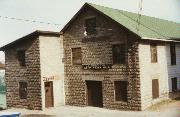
(121, 102)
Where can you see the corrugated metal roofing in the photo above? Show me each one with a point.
(149, 27)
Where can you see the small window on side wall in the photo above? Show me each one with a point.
(90, 25)
(153, 53)
(21, 57)
(120, 90)
(76, 56)
(119, 54)
(174, 84)
(23, 90)
(173, 53)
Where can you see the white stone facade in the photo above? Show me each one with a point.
(162, 70)
(51, 55)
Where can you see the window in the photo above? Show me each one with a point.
(173, 53)
(76, 56)
(118, 54)
(90, 26)
(120, 90)
(23, 90)
(153, 53)
(155, 88)
(174, 84)
(21, 57)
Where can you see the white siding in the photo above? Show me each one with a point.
(51, 55)
(162, 70)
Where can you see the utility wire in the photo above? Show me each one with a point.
(28, 20)
(139, 15)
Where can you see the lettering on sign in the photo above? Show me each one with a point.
(48, 78)
(97, 67)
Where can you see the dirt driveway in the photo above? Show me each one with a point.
(166, 109)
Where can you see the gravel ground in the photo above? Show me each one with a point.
(167, 109)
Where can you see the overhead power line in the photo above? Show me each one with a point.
(28, 20)
(139, 14)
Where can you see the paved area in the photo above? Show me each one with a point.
(166, 109)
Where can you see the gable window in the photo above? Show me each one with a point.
(153, 53)
(155, 88)
(173, 53)
(118, 54)
(90, 26)
(174, 84)
(23, 90)
(21, 57)
(76, 56)
(120, 90)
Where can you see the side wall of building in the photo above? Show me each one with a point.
(162, 70)
(52, 67)
(14, 73)
(97, 50)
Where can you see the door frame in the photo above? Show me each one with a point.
(86, 91)
(52, 93)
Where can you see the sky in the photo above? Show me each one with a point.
(61, 11)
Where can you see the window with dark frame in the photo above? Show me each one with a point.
(174, 84)
(153, 53)
(120, 90)
(173, 53)
(21, 57)
(119, 51)
(90, 25)
(23, 90)
(76, 56)
(155, 88)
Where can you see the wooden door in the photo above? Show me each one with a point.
(48, 94)
(94, 93)
(155, 88)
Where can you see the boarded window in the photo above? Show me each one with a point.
(153, 53)
(155, 88)
(173, 53)
(23, 90)
(76, 56)
(174, 84)
(90, 26)
(119, 54)
(21, 57)
(120, 90)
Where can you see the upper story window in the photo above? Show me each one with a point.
(119, 54)
(23, 90)
(76, 56)
(21, 57)
(153, 53)
(173, 53)
(90, 26)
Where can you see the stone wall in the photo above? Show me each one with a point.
(97, 49)
(30, 74)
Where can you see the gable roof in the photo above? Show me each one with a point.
(149, 27)
(30, 36)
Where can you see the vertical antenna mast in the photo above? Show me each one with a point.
(139, 15)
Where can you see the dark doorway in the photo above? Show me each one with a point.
(48, 94)
(94, 93)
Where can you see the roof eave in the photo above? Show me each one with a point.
(30, 36)
(160, 39)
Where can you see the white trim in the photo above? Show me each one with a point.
(168, 40)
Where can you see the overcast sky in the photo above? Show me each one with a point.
(60, 12)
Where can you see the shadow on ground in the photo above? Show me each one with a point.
(37, 115)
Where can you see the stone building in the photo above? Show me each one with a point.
(34, 71)
(113, 61)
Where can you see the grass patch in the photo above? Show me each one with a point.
(156, 107)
